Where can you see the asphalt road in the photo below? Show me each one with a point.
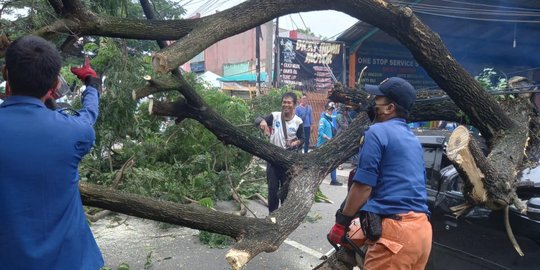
(144, 243)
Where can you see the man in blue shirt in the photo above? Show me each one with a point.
(304, 111)
(42, 224)
(390, 183)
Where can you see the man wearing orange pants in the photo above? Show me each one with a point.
(389, 186)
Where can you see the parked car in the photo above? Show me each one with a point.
(477, 239)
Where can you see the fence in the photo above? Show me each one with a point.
(317, 102)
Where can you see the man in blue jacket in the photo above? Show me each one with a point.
(42, 224)
(326, 133)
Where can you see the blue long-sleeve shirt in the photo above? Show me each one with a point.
(305, 113)
(42, 224)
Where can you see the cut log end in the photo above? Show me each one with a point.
(147, 77)
(458, 140)
(459, 152)
(159, 63)
(237, 258)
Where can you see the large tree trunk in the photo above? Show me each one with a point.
(506, 128)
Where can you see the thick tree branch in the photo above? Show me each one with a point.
(137, 29)
(225, 131)
(193, 216)
(150, 15)
(399, 22)
(227, 23)
(163, 84)
(429, 50)
(59, 26)
(429, 106)
(83, 23)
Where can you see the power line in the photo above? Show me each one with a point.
(293, 24)
(338, 34)
(523, 70)
(308, 34)
(476, 19)
(491, 6)
(212, 6)
(482, 9)
(222, 3)
(300, 15)
(484, 13)
(477, 11)
(204, 7)
(464, 5)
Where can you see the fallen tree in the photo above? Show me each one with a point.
(510, 128)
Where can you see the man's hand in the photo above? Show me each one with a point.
(336, 234)
(85, 71)
(87, 75)
(338, 231)
(264, 127)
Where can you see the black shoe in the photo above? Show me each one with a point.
(336, 183)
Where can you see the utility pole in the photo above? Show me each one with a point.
(258, 58)
(269, 54)
(276, 55)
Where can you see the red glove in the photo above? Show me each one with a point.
(336, 235)
(84, 71)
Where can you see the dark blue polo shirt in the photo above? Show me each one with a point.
(42, 222)
(391, 162)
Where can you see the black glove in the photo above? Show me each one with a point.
(343, 219)
(93, 82)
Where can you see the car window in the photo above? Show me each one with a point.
(431, 165)
(456, 186)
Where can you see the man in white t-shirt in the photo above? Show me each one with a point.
(285, 130)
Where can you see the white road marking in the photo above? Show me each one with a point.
(303, 248)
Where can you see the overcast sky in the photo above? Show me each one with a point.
(325, 23)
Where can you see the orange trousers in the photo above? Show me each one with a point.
(404, 244)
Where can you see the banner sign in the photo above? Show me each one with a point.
(310, 65)
(394, 62)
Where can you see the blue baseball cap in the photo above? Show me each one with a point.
(396, 89)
